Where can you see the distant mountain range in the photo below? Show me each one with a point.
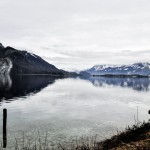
(22, 62)
(137, 69)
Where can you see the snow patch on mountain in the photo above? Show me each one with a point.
(133, 69)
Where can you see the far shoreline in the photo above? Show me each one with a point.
(120, 76)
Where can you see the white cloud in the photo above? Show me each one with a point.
(78, 33)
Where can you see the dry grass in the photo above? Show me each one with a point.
(135, 137)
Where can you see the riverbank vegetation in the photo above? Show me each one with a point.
(136, 137)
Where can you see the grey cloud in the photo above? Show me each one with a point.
(78, 34)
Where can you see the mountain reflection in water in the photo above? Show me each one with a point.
(138, 84)
(22, 85)
(5, 82)
(71, 107)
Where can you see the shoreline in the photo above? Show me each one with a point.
(121, 76)
(132, 138)
(135, 137)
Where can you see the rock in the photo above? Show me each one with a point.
(5, 65)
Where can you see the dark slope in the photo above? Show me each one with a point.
(27, 63)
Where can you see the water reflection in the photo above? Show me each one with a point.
(72, 107)
(138, 84)
(22, 85)
(5, 81)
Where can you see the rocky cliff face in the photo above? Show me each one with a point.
(22, 62)
(5, 65)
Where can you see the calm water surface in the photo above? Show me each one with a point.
(71, 107)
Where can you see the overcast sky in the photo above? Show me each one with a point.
(78, 33)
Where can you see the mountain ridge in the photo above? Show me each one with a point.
(140, 68)
(24, 62)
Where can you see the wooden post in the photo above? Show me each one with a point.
(4, 128)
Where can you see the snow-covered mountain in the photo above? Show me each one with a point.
(142, 69)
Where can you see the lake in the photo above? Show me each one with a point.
(68, 108)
